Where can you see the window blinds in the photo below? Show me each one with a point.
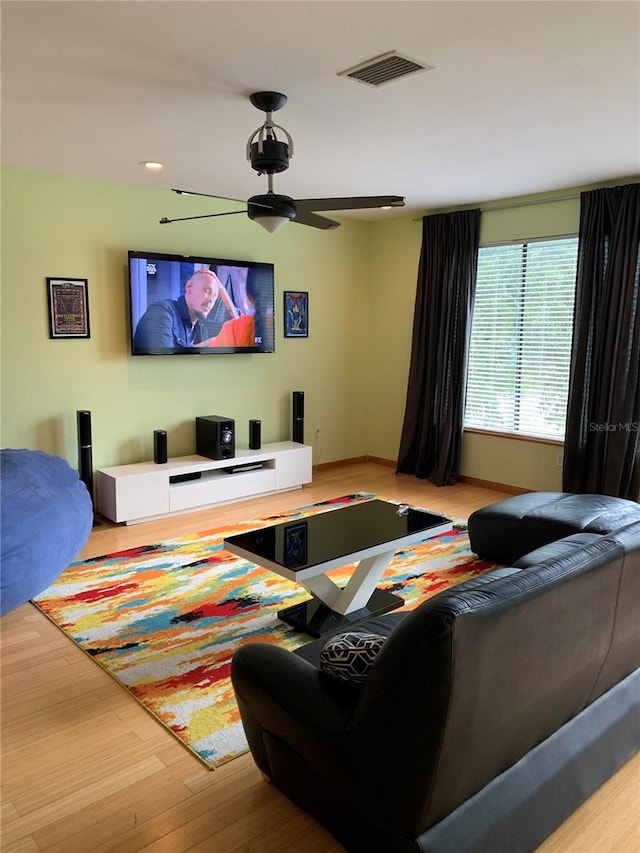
(521, 338)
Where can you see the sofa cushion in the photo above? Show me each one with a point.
(558, 549)
(349, 656)
(383, 624)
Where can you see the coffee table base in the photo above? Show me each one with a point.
(316, 619)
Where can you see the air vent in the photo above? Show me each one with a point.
(384, 69)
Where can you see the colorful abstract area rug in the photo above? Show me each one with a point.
(165, 619)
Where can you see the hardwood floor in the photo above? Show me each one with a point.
(85, 769)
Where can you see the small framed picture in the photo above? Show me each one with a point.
(295, 545)
(296, 314)
(68, 301)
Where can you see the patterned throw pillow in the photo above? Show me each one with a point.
(349, 657)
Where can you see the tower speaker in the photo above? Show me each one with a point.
(254, 434)
(297, 431)
(215, 437)
(159, 446)
(85, 450)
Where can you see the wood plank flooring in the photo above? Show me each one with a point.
(85, 769)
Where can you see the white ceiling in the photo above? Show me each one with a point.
(525, 97)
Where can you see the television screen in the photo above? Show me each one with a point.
(183, 305)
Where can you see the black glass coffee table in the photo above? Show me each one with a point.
(304, 550)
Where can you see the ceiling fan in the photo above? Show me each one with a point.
(269, 155)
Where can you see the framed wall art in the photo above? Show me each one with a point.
(296, 314)
(68, 301)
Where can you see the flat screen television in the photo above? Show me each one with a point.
(186, 305)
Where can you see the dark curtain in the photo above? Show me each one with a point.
(602, 442)
(431, 442)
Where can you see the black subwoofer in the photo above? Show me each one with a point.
(215, 437)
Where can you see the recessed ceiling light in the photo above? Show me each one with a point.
(152, 165)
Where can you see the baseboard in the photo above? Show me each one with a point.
(388, 463)
(355, 460)
(489, 484)
(340, 463)
(392, 463)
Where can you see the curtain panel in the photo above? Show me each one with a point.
(431, 440)
(602, 440)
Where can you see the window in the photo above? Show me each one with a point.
(521, 338)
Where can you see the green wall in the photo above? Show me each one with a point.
(60, 226)
(353, 366)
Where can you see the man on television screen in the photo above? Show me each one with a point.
(180, 323)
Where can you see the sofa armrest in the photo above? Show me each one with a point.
(280, 693)
(266, 672)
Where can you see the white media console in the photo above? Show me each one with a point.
(144, 491)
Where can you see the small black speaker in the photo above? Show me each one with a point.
(297, 431)
(159, 446)
(215, 437)
(254, 434)
(85, 450)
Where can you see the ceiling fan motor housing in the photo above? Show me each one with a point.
(269, 156)
(271, 204)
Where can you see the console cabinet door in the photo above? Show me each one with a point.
(293, 468)
(136, 496)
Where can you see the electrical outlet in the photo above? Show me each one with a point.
(316, 432)
(559, 459)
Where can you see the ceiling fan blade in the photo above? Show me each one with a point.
(354, 203)
(208, 195)
(165, 221)
(307, 217)
(223, 197)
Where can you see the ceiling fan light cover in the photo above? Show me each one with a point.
(271, 210)
(271, 223)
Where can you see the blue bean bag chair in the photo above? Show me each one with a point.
(46, 516)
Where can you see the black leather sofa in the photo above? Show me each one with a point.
(490, 713)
